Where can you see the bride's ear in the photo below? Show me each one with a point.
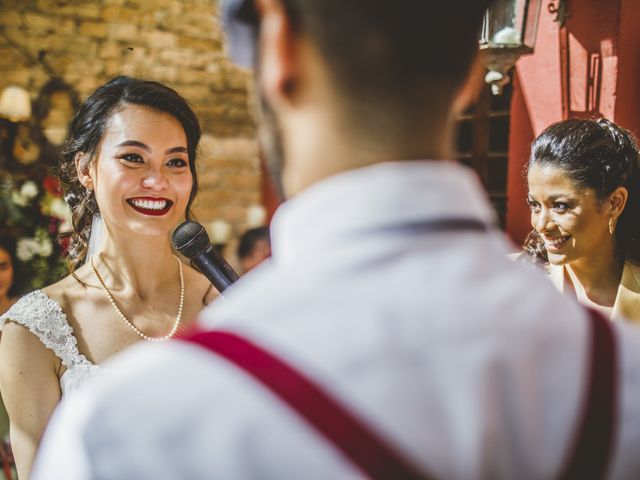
(83, 171)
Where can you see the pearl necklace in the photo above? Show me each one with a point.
(131, 325)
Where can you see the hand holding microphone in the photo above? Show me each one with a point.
(192, 241)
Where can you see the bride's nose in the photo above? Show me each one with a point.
(155, 180)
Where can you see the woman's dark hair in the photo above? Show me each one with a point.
(19, 283)
(86, 132)
(601, 156)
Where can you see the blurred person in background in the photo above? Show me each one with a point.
(584, 196)
(12, 285)
(254, 247)
(11, 281)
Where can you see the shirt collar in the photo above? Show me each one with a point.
(381, 195)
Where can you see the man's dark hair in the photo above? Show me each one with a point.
(249, 239)
(397, 56)
(381, 44)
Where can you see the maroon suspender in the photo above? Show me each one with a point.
(588, 459)
(592, 449)
(354, 439)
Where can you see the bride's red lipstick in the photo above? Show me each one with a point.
(150, 205)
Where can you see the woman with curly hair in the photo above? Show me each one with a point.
(584, 182)
(128, 167)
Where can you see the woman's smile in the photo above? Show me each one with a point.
(150, 206)
(555, 243)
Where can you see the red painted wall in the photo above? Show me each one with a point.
(627, 105)
(598, 76)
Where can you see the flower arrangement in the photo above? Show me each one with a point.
(33, 212)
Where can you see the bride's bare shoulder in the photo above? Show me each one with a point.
(72, 287)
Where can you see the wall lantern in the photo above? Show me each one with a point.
(508, 31)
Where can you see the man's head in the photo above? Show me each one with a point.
(253, 248)
(347, 83)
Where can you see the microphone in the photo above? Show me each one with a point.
(192, 241)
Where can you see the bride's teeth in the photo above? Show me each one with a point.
(150, 204)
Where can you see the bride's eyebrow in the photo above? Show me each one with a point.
(134, 143)
(176, 150)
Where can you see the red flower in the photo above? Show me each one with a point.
(65, 243)
(52, 185)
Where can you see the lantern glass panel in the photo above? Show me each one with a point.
(530, 22)
(510, 23)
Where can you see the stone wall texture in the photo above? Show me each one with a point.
(177, 42)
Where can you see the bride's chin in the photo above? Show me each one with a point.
(151, 232)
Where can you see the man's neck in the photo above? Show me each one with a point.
(318, 147)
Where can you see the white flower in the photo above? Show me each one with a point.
(18, 199)
(64, 227)
(27, 248)
(58, 208)
(29, 190)
(45, 247)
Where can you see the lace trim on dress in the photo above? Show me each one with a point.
(46, 320)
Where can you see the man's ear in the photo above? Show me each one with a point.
(617, 201)
(279, 51)
(83, 171)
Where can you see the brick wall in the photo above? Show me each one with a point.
(177, 42)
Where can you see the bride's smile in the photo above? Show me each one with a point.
(150, 206)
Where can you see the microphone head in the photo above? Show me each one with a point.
(190, 238)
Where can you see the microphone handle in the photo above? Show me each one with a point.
(215, 268)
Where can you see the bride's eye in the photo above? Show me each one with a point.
(177, 162)
(131, 158)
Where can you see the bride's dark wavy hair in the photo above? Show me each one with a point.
(86, 132)
(601, 156)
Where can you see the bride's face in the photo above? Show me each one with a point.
(141, 175)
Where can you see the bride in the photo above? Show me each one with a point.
(129, 168)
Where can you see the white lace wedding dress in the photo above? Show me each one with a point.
(46, 320)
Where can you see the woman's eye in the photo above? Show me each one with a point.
(132, 158)
(560, 206)
(177, 162)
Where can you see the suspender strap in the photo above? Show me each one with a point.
(590, 456)
(373, 456)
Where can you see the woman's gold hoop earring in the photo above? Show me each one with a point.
(612, 226)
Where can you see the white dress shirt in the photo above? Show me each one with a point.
(473, 366)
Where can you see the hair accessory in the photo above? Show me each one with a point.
(128, 322)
